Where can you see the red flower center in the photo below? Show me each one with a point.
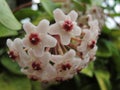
(68, 25)
(66, 66)
(92, 44)
(34, 38)
(36, 65)
(12, 55)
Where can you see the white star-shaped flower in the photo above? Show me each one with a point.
(16, 51)
(37, 38)
(13, 51)
(65, 26)
(40, 67)
(66, 65)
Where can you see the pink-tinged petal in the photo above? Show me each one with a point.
(56, 58)
(59, 15)
(73, 15)
(46, 56)
(65, 38)
(70, 54)
(9, 43)
(26, 42)
(38, 51)
(87, 34)
(54, 29)
(76, 31)
(49, 41)
(82, 47)
(28, 27)
(43, 26)
(18, 43)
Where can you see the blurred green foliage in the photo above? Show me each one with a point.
(102, 74)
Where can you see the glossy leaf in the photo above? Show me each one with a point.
(103, 78)
(26, 12)
(5, 32)
(89, 70)
(40, 17)
(10, 65)
(49, 6)
(11, 82)
(7, 18)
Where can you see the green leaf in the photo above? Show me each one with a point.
(36, 85)
(114, 14)
(49, 6)
(26, 12)
(117, 43)
(10, 82)
(2, 50)
(90, 86)
(115, 33)
(86, 1)
(89, 70)
(78, 5)
(40, 17)
(116, 58)
(103, 78)
(10, 65)
(104, 49)
(5, 32)
(7, 18)
(106, 30)
(96, 2)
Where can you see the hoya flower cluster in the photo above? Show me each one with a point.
(56, 52)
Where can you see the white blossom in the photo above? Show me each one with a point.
(65, 26)
(37, 38)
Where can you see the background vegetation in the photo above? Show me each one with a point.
(102, 74)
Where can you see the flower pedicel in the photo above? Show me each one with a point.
(56, 52)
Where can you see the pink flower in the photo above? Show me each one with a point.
(37, 38)
(65, 26)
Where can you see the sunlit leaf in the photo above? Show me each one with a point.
(89, 69)
(10, 65)
(115, 33)
(114, 14)
(49, 6)
(7, 18)
(96, 2)
(5, 32)
(10, 82)
(103, 78)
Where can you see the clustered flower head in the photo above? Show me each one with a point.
(56, 52)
